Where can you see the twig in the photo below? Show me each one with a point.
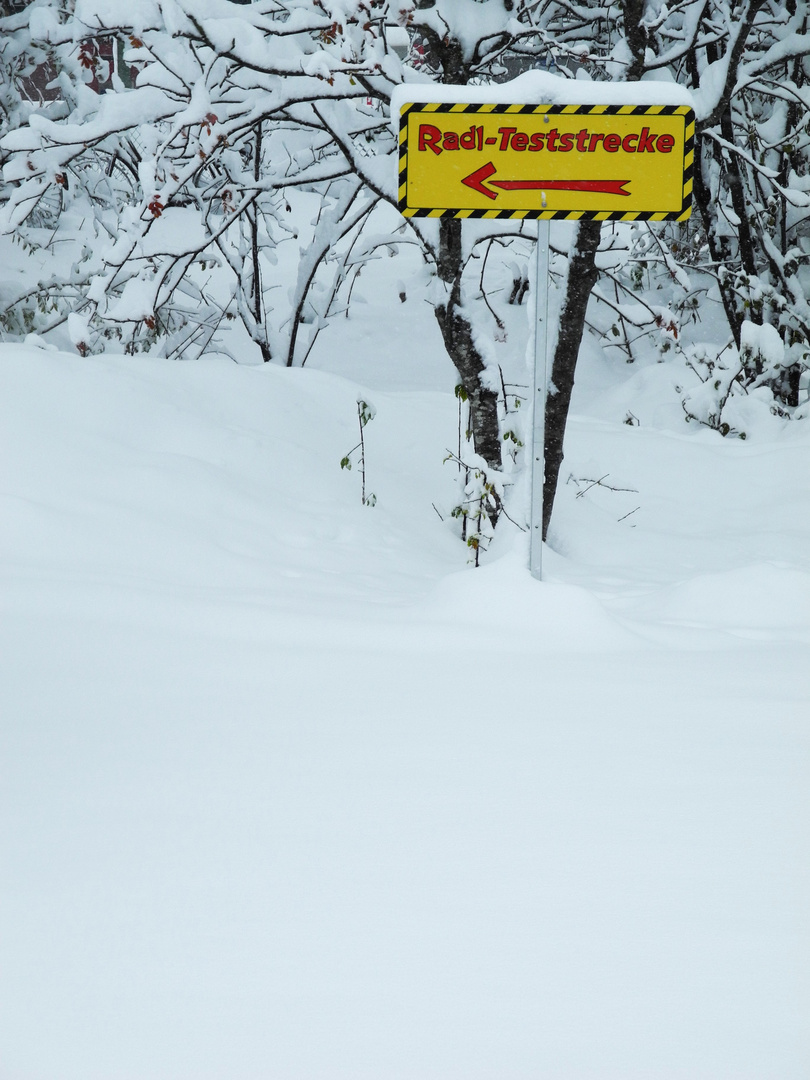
(515, 523)
(598, 483)
(482, 290)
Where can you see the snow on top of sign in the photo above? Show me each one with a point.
(541, 88)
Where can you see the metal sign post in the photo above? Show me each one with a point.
(602, 161)
(539, 389)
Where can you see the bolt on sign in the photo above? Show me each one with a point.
(608, 162)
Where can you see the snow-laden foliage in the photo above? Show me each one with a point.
(165, 147)
(748, 242)
(227, 110)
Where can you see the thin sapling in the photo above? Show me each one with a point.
(365, 413)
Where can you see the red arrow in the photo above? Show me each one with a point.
(476, 181)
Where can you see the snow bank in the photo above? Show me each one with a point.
(289, 791)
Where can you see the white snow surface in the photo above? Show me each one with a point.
(289, 791)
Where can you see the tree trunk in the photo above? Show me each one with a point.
(636, 35)
(253, 220)
(457, 334)
(456, 328)
(718, 247)
(582, 274)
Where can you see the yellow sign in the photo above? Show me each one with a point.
(610, 162)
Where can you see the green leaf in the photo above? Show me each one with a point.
(364, 411)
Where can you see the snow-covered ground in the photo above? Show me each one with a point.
(291, 792)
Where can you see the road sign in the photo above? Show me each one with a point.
(610, 162)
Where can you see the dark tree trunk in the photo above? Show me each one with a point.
(794, 380)
(582, 274)
(455, 327)
(457, 334)
(738, 199)
(718, 247)
(636, 34)
(253, 220)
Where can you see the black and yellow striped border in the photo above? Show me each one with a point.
(568, 110)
